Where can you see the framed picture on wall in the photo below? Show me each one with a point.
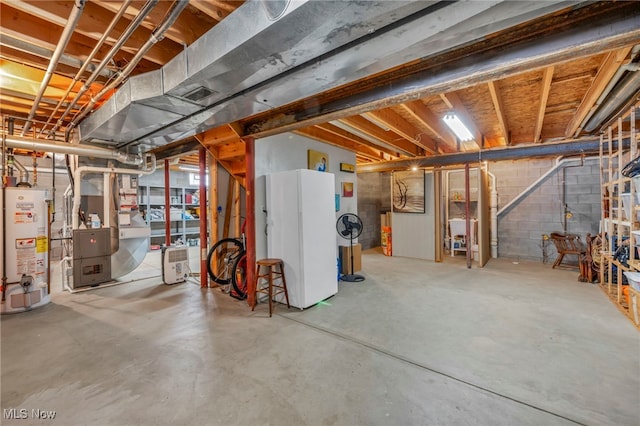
(408, 192)
(318, 161)
(347, 189)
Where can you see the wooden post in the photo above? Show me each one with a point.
(167, 205)
(204, 277)
(213, 213)
(250, 220)
(467, 213)
(236, 208)
(227, 209)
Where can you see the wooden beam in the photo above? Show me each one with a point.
(219, 135)
(331, 128)
(611, 63)
(365, 126)
(500, 112)
(394, 122)
(547, 77)
(452, 100)
(325, 136)
(230, 151)
(423, 114)
(216, 9)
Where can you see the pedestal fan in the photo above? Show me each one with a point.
(350, 226)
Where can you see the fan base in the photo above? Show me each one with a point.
(352, 278)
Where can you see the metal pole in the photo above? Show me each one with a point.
(167, 205)
(251, 219)
(204, 277)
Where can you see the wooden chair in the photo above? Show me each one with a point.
(567, 244)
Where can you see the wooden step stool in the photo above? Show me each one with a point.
(265, 281)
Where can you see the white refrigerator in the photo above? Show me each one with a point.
(301, 231)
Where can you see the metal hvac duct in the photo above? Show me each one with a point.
(243, 65)
(40, 145)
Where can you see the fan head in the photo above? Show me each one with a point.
(349, 226)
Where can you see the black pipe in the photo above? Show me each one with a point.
(506, 153)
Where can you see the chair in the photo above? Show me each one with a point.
(567, 244)
(265, 281)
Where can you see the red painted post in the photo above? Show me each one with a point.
(204, 277)
(249, 160)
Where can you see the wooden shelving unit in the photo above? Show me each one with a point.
(620, 216)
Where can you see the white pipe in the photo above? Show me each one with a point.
(39, 145)
(74, 17)
(63, 271)
(493, 206)
(559, 162)
(156, 36)
(84, 169)
(84, 67)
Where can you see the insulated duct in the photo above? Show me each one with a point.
(252, 62)
(39, 145)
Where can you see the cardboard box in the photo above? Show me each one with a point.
(345, 258)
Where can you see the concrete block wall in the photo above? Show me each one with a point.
(374, 198)
(521, 229)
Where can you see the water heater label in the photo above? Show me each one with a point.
(23, 217)
(25, 243)
(42, 244)
(25, 206)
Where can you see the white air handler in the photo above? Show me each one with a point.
(24, 252)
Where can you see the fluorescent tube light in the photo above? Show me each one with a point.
(458, 127)
(189, 168)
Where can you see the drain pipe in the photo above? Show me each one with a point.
(157, 35)
(40, 145)
(135, 23)
(90, 169)
(85, 65)
(559, 162)
(72, 22)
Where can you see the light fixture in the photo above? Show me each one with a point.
(414, 168)
(458, 127)
(189, 168)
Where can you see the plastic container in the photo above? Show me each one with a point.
(634, 279)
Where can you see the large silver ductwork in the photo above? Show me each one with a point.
(267, 54)
(39, 145)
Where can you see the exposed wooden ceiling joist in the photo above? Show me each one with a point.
(547, 76)
(496, 98)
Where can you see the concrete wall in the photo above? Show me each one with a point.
(289, 152)
(374, 198)
(520, 230)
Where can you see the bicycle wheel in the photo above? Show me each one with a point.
(239, 281)
(221, 259)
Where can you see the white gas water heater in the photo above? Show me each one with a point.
(24, 251)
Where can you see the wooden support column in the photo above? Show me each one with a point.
(467, 213)
(213, 211)
(250, 226)
(167, 205)
(204, 276)
(236, 208)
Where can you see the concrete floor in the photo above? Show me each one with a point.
(416, 343)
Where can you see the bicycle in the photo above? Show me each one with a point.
(227, 264)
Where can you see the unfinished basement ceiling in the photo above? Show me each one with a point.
(373, 77)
